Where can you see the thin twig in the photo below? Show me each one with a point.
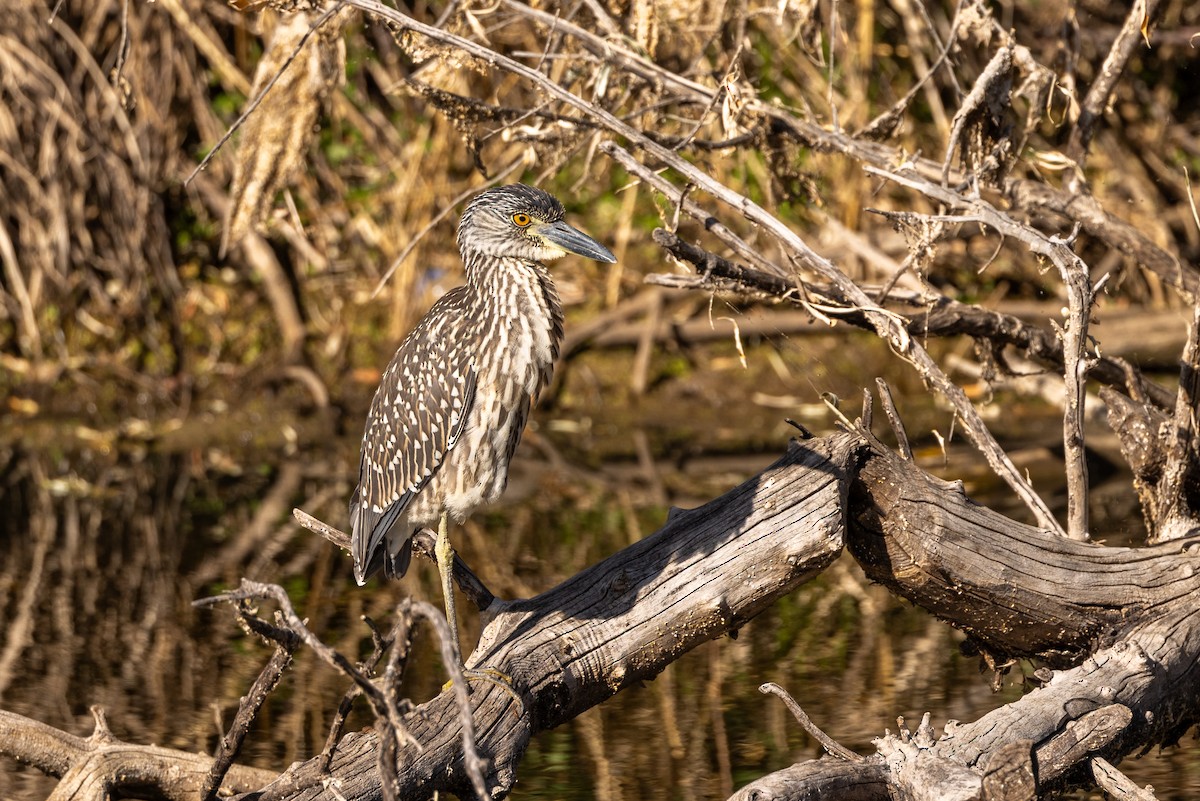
(889, 326)
(292, 623)
(936, 316)
(338, 537)
(894, 419)
(367, 666)
(474, 762)
(241, 120)
(1075, 368)
(712, 104)
(886, 122)
(1141, 14)
(231, 743)
(827, 742)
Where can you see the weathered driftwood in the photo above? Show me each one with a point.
(615, 624)
(1126, 619)
(102, 766)
(1123, 617)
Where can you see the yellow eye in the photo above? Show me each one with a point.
(521, 219)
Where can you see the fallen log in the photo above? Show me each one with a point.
(1119, 625)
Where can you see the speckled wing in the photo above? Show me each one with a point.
(416, 418)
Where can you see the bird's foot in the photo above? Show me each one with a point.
(491, 676)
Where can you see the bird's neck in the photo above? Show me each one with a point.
(506, 283)
(519, 319)
(511, 289)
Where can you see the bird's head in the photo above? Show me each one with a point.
(519, 221)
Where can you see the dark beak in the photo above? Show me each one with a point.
(575, 241)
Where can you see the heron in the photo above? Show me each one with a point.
(453, 402)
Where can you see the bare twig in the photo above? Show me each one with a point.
(1074, 338)
(936, 316)
(1174, 518)
(245, 115)
(1117, 784)
(293, 624)
(1141, 15)
(338, 537)
(475, 764)
(367, 666)
(897, 424)
(231, 743)
(1075, 275)
(1038, 198)
(387, 713)
(827, 742)
(887, 325)
(886, 122)
(1080, 297)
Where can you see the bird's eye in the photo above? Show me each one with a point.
(521, 219)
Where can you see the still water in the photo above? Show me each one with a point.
(106, 544)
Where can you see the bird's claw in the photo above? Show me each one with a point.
(491, 676)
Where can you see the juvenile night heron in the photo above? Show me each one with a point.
(452, 404)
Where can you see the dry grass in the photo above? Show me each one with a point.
(112, 269)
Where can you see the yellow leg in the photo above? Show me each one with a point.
(444, 552)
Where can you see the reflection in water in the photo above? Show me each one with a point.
(104, 554)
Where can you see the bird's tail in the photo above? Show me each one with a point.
(396, 565)
(370, 542)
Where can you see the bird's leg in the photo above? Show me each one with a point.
(443, 551)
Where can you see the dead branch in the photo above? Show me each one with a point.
(1176, 514)
(833, 747)
(924, 544)
(932, 546)
(102, 766)
(1135, 30)
(1074, 336)
(231, 743)
(602, 630)
(1028, 195)
(1118, 234)
(851, 299)
(394, 733)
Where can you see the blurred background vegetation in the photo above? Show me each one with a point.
(182, 363)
